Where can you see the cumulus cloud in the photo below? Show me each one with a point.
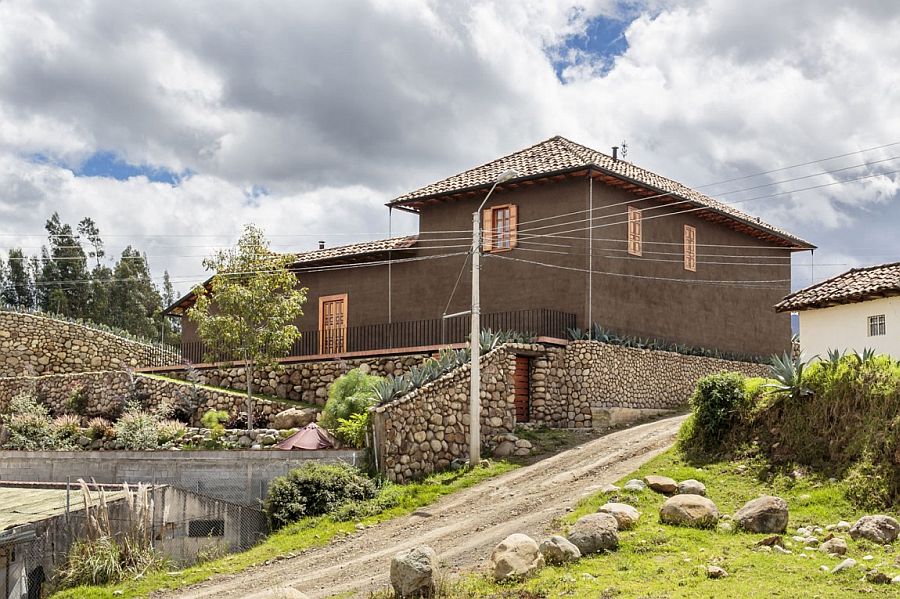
(334, 108)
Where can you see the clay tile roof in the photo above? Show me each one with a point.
(557, 155)
(356, 250)
(343, 252)
(856, 285)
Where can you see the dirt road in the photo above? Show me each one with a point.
(463, 528)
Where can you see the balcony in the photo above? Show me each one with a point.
(403, 337)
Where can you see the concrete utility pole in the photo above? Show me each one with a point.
(475, 337)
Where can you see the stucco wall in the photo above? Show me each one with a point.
(846, 328)
(35, 344)
(238, 476)
(105, 392)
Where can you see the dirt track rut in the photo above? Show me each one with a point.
(462, 528)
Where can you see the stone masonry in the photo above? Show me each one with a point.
(591, 384)
(301, 381)
(425, 430)
(32, 344)
(103, 394)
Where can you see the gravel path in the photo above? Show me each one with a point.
(463, 527)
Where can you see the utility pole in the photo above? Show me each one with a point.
(475, 335)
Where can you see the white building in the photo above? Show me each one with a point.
(853, 311)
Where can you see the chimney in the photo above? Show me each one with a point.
(321, 245)
(615, 150)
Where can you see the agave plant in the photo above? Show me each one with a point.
(834, 357)
(488, 340)
(867, 354)
(576, 334)
(788, 374)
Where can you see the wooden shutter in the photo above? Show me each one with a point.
(690, 248)
(513, 225)
(634, 231)
(487, 231)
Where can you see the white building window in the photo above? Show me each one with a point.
(876, 326)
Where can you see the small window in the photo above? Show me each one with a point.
(500, 224)
(634, 231)
(877, 326)
(206, 528)
(690, 248)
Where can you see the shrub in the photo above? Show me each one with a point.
(137, 430)
(716, 405)
(100, 428)
(67, 427)
(788, 374)
(352, 431)
(77, 401)
(170, 430)
(29, 425)
(213, 420)
(352, 393)
(313, 490)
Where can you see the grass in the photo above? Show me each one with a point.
(307, 533)
(660, 561)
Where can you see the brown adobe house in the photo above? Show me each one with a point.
(660, 261)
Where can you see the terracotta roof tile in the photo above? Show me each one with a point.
(559, 154)
(856, 285)
(356, 249)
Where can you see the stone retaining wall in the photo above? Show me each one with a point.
(592, 384)
(302, 381)
(103, 394)
(32, 344)
(425, 430)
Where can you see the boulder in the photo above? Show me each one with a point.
(691, 487)
(689, 510)
(558, 550)
(766, 514)
(608, 488)
(878, 529)
(661, 484)
(413, 572)
(715, 572)
(844, 565)
(517, 556)
(876, 577)
(504, 449)
(294, 418)
(634, 486)
(595, 533)
(626, 516)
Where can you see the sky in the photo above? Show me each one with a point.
(172, 126)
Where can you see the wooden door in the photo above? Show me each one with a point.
(333, 324)
(522, 382)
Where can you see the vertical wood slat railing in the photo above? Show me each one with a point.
(413, 333)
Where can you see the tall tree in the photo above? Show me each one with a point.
(19, 287)
(89, 229)
(134, 299)
(65, 272)
(257, 300)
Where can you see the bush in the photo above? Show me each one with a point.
(213, 420)
(352, 431)
(67, 427)
(716, 405)
(137, 430)
(100, 428)
(352, 393)
(29, 425)
(313, 490)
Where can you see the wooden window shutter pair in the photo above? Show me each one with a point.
(690, 248)
(500, 228)
(634, 231)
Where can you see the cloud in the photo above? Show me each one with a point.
(334, 108)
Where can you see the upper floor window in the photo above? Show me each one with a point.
(690, 248)
(500, 228)
(876, 326)
(634, 231)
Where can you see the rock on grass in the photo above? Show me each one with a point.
(516, 557)
(689, 510)
(595, 533)
(766, 514)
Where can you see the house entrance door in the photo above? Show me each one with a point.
(521, 379)
(333, 324)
